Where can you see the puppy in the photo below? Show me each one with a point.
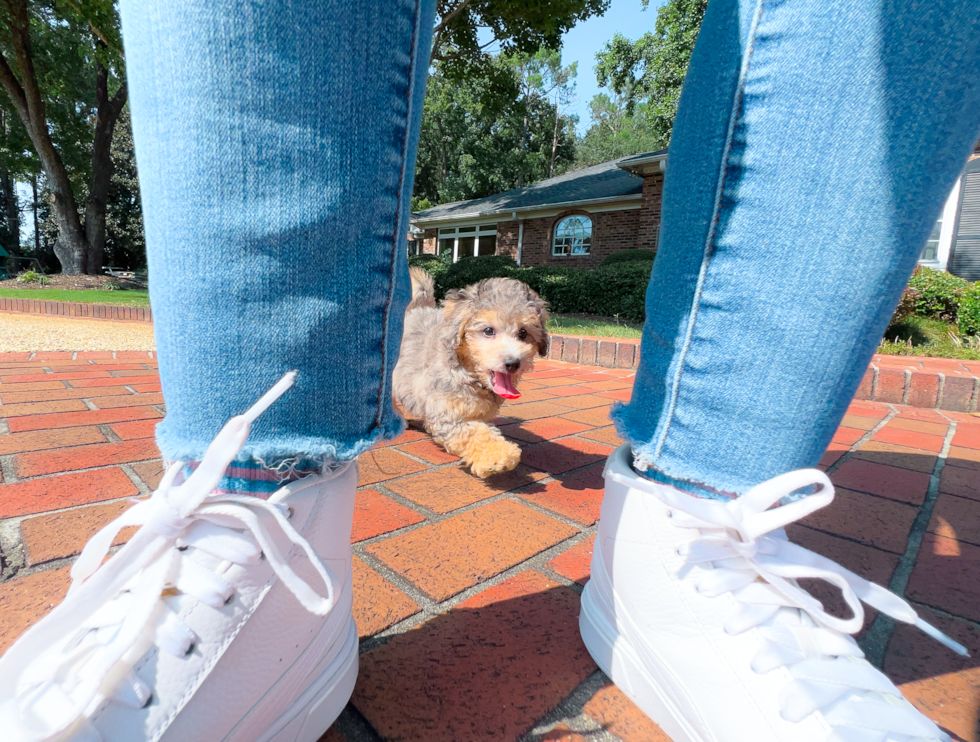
(460, 362)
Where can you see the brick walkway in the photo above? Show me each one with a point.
(466, 593)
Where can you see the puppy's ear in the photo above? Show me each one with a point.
(457, 308)
(541, 308)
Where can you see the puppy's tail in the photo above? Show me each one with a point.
(423, 289)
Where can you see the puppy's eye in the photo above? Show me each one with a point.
(522, 333)
(488, 331)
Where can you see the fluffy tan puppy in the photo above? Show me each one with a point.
(458, 364)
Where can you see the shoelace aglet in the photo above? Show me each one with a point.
(941, 637)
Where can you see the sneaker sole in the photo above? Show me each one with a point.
(320, 705)
(615, 657)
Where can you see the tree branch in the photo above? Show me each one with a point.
(460, 53)
(14, 90)
(441, 27)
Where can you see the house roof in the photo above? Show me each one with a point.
(606, 182)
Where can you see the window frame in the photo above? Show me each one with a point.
(591, 237)
(476, 231)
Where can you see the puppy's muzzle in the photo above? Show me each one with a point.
(512, 364)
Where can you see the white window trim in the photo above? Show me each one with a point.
(482, 230)
(946, 231)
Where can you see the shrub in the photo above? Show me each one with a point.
(628, 256)
(906, 305)
(939, 292)
(469, 270)
(437, 265)
(969, 310)
(111, 285)
(31, 276)
(616, 290)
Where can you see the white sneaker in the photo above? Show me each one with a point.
(693, 611)
(205, 625)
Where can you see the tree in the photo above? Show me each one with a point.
(524, 26)
(648, 73)
(125, 243)
(615, 132)
(493, 132)
(61, 68)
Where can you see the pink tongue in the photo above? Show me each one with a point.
(503, 386)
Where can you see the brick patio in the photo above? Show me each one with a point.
(466, 592)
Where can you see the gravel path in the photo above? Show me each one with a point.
(28, 332)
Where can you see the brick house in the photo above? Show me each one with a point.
(576, 219)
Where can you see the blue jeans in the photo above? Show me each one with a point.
(814, 146)
(813, 149)
(276, 147)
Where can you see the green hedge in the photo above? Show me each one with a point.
(939, 293)
(608, 291)
(969, 310)
(629, 256)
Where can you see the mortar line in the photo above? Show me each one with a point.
(878, 637)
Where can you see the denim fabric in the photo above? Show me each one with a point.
(276, 146)
(814, 146)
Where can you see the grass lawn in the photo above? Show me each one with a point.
(925, 336)
(124, 298)
(606, 327)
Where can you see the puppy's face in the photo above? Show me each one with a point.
(500, 326)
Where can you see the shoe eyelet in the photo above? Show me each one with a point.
(670, 514)
(190, 649)
(148, 701)
(229, 598)
(290, 512)
(183, 547)
(261, 556)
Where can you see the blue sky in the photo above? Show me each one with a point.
(582, 42)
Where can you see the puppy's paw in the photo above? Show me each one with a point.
(496, 457)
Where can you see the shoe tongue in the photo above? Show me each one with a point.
(503, 385)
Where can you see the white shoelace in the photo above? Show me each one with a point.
(752, 559)
(67, 664)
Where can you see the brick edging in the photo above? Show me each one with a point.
(76, 309)
(959, 392)
(920, 388)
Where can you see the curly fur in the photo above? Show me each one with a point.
(447, 361)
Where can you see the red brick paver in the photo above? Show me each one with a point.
(477, 582)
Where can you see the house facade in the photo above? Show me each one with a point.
(576, 219)
(954, 244)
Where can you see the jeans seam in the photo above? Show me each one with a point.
(712, 233)
(409, 108)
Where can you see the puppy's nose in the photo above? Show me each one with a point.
(512, 364)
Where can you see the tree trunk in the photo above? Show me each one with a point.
(11, 214)
(108, 111)
(72, 246)
(554, 142)
(37, 227)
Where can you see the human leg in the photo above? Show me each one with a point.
(276, 147)
(813, 148)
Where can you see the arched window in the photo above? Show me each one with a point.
(573, 236)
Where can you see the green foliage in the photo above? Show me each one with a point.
(648, 73)
(125, 298)
(629, 256)
(516, 26)
(111, 285)
(470, 270)
(31, 277)
(969, 310)
(939, 292)
(494, 130)
(617, 290)
(927, 336)
(615, 133)
(437, 265)
(125, 244)
(906, 306)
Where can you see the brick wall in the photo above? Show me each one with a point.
(612, 231)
